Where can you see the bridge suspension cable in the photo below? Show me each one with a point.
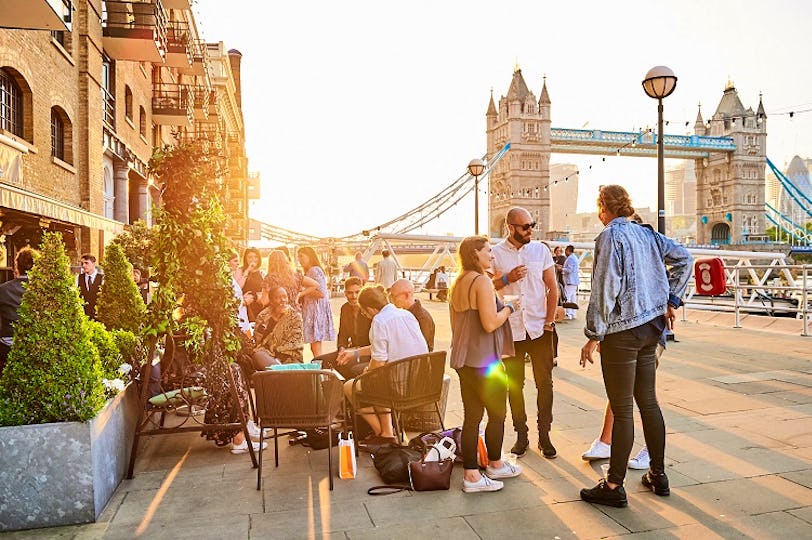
(415, 218)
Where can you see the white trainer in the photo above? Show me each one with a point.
(641, 461)
(507, 470)
(484, 484)
(243, 448)
(253, 431)
(598, 450)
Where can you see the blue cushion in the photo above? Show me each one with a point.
(285, 367)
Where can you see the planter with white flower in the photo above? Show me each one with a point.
(63, 445)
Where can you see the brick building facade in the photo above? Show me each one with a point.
(86, 93)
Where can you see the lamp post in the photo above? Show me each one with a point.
(659, 83)
(476, 167)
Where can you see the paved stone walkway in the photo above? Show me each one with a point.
(738, 408)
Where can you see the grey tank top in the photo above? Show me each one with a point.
(471, 345)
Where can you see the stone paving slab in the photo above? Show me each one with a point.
(738, 455)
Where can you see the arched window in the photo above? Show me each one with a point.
(11, 104)
(128, 102)
(61, 135)
(142, 121)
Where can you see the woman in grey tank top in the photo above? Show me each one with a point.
(480, 336)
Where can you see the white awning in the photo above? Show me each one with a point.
(25, 201)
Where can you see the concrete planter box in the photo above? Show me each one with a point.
(64, 473)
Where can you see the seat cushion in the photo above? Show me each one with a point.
(174, 397)
(287, 367)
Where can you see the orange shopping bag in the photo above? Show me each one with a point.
(482, 452)
(346, 456)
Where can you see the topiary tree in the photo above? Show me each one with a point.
(53, 372)
(119, 305)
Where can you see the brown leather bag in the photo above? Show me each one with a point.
(430, 475)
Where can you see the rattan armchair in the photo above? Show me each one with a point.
(301, 399)
(401, 385)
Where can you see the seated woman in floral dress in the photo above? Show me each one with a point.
(278, 334)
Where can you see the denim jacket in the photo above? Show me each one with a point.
(630, 283)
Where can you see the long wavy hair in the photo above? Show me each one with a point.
(280, 270)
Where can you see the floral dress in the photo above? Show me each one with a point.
(316, 312)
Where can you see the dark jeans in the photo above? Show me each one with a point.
(348, 371)
(482, 389)
(541, 351)
(628, 366)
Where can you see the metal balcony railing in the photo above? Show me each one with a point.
(143, 20)
(108, 108)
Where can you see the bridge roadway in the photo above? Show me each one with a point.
(738, 408)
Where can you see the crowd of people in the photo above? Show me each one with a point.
(503, 306)
(504, 303)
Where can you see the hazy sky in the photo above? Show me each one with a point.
(358, 111)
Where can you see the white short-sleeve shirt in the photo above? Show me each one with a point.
(395, 334)
(532, 291)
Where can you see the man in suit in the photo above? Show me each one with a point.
(89, 283)
(11, 295)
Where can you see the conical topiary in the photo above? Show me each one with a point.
(119, 305)
(53, 372)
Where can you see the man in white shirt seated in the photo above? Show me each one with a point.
(394, 334)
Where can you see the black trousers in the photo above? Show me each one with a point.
(348, 371)
(629, 374)
(541, 352)
(482, 389)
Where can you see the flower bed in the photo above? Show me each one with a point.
(65, 473)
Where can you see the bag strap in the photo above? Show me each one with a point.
(388, 490)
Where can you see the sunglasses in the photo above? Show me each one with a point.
(525, 226)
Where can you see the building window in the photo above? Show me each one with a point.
(58, 36)
(109, 192)
(11, 104)
(61, 135)
(142, 121)
(57, 136)
(108, 92)
(128, 102)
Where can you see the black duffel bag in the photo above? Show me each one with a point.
(392, 462)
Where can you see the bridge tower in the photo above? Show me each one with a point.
(520, 177)
(730, 187)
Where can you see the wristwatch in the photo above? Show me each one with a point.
(551, 324)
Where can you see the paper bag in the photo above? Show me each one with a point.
(346, 456)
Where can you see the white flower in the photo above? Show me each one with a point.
(115, 385)
(125, 368)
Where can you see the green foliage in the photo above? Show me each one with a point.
(191, 252)
(119, 304)
(136, 242)
(130, 347)
(109, 355)
(53, 373)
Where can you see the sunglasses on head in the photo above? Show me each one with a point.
(525, 226)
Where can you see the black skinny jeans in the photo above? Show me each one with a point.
(541, 351)
(629, 368)
(482, 389)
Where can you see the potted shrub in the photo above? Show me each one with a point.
(119, 305)
(52, 401)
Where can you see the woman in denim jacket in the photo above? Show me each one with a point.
(633, 298)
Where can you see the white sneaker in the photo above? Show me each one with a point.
(641, 461)
(253, 431)
(243, 448)
(598, 450)
(484, 484)
(507, 470)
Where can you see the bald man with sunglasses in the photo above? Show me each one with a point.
(526, 269)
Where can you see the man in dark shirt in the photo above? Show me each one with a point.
(401, 293)
(358, 268)
(11, 295)
(353, 333)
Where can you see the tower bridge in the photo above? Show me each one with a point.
(728, 153)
